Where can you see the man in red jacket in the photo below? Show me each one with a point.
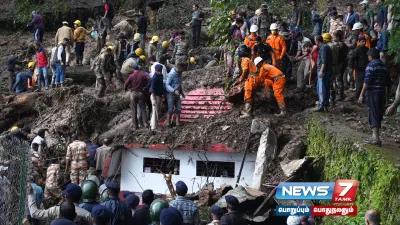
(42, 64)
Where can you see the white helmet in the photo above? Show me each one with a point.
(257, 60)
(253, 28)
(273, 26)
(357, 26)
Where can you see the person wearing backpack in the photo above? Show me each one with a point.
(109, 14)
(38, 23)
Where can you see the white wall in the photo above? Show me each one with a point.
(133, 162)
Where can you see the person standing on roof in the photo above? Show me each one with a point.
(138, 83)
(234, 216)
(80, 38)
(351, 17)
(264, 21)
(65, 32)
(197, 19)
(38, 23)
(180, 53)
(296, 17)
(174, 89)
(153, 46)
(278, 44)
(42, 64)
(142, 28)
(272, 77)
(77, 155)
(188, 209)
(21, 81)
(108, 14)
(122, 215)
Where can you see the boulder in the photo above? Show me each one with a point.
(265, 155)
(124, 27)
(259, 125)
(294, 149)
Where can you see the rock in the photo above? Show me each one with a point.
(289, 168)
(346, 109)
(265, 154)
(124, 27)
(259, 125)
(293, 150)
(212, 63)
(225, 127)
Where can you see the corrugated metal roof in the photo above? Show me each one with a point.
(204, 103)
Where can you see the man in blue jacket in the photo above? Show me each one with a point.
(21, 82)
(38, 23)
(383, 41)
(174, 91)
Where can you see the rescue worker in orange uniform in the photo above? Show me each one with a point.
(249, 72)
(274, 78)
(358, 29)
(278, 44)
(250, 40)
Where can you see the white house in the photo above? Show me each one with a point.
(141, 168)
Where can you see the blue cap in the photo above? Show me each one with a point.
(132, 200)
(126, 194)
(73, 191)
(112, 185)
(158, 67)
(217, 211)
(135, 66)
(62, 222)
(33, 12)
(181, 187)
(231, 200)
(361, 38)
(171, 216)
(102, 212)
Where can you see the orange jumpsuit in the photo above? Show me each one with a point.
(250, 73)
(367, 40)
(250, 40)
(278, 44)
(272, 77)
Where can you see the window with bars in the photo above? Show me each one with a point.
(215, 169)
(157, 165)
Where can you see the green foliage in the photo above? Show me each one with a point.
(378, 178)
(25, 8)
(394, 41)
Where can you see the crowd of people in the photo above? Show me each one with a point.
(343, 51)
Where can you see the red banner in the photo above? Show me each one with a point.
(330, 210)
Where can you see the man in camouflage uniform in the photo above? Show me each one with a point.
(78, 155)
(180, 53)
(51, 190)
(351, 42)
(263, 22)
(103, 62)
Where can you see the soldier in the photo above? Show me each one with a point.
(78, 155)
(102, 65)
(162, 53)
(101, 215)
(153, 46)
(52, 190)
(133, 201)
(234, 216)
(180, 53)
(263, 22)
(89, 195)
(121, 213)
(155, 210)
(171, 216)
(72, 193)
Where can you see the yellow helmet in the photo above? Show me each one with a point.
(111, 48)
(108, 44)
(14, 128)
(78, 22)
(258, 12)
(154, 39)
(192, 60)
(31, 64)
(136, 37)
(165, 44)
(142, 57)
(326, 37)
(232, 12)
(139, 51)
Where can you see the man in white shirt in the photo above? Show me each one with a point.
(153, 63)
(39, 139)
